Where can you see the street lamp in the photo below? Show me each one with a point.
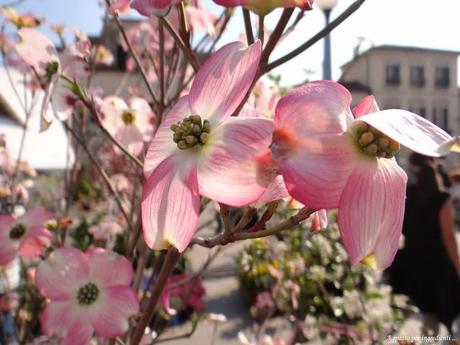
(327, 6)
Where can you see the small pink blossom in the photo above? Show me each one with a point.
(199, 149)
(131, 125)
(331, 157)
(25, 235)
(106, 229)
(153, 7)
(39, 53)
(88, 292)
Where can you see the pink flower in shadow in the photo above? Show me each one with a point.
(88, 292)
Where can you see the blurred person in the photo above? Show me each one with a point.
(455, 194)
(427, 268)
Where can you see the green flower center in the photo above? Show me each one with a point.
(128, 117)
(374, 143)
(191, 132)
(17, 231)
(51, 69)
(87, 294)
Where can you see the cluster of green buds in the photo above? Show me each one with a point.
(17, 231)
(51, 69)
(375, 143)
(87, 294)
(128, 117)
(191, 132)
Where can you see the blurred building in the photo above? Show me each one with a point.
(420, 80)
(46, 151)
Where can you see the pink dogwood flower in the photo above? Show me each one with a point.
(262, 7)
(88, 292)
(332, 158)
(200, 149)
(25, 235)
(39, 53)
(154, 7)
(131, 125)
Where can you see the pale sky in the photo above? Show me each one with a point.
(421, 23)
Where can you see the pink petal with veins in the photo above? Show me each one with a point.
(65, 321)
(60, 275)
(371, 210)
(223, 81)
(170, 205)
(229, 171)
(366, 106)
(109, 316)
(411, 131)
(109, 268)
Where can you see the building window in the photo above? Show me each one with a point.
(122, 58)
(392, 75)
(435, 116)
(442, 77)
(417, 76)
(445, 119)
(422, 112)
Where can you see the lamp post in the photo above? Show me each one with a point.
(327, 6)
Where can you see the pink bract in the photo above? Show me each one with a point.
(316, 147)
(153, 7)
(88, 292)
(176, 177)
(263, 7)
(130, 124)
(25, 235)
(39, 53)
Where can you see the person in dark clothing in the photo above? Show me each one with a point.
(427, 268)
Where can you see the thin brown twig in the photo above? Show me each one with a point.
(276, 34)
(101, 172)
(239, 236)
(248, 26)
(134, 55)
(147, 314)
(323, 33)
(182, 45)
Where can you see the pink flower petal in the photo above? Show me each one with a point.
(411, 131)
(223, 81)
(109, 268)
(112, 108)
(152, 7)
(35, 240)
(318, 108)
(36, 49)
(319, 220)
(118, 5)
(371, 210)
(276, 190)
(366, 106)
(60, 275)
(229, 171)
(66, 320)
(170, 205)
(35, 216)
(162, 145)
(110, 315)
(317, 172)
(131, 138)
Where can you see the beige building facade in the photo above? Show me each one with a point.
(420, 80)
